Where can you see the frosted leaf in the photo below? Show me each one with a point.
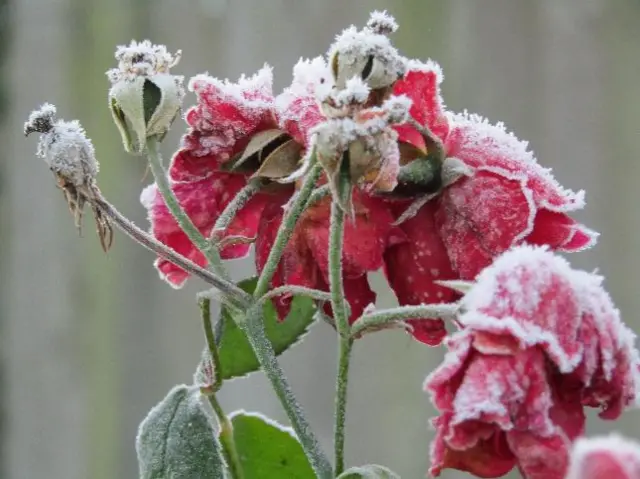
(177, 439)
(204, 377)
(370, 471)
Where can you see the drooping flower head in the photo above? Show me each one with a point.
(539, 342)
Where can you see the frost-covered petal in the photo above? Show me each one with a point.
(421, 83)
(482, 216)
(540, 457)
(477, 143)
(605, 457)
(228, 113)
(203, 201)
(560, 232)
(297, 107)
(412, 267)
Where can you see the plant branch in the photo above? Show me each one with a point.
(181, 217)
(373, 321)
(263, 350)
(235, 295)
(289, 221)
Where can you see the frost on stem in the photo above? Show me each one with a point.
(144, 97)
(68, 152)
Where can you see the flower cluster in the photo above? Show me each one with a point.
(434, 197)
(490, 193)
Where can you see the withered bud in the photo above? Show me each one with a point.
(367, 54)
(65, 148)
(144, 97)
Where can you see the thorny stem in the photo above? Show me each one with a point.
(234, 294)
(226, 429)
(263, 349)
(373, 321)
(183, 220)
(286, 228)
(338, 305)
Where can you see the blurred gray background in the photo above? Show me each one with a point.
(91, 341)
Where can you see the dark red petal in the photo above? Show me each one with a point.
(412, 267)
(421, 84)
(296, 267)
(481, 217)
(365, 238)
(560, 232)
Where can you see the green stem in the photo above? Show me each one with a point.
(374, 321)
(340, 315)
(212, 347)
(342, 383)
(226, 429)
(263, 349)
(286, 229)
(183, 220)
(226, 439)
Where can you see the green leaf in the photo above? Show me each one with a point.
(236, 356)
(267, 449)
(370, 471)
(176, 440)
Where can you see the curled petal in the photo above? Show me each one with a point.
(228, 113)
(421, 84)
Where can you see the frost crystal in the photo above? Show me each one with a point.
(142, 59)
(382, 23)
